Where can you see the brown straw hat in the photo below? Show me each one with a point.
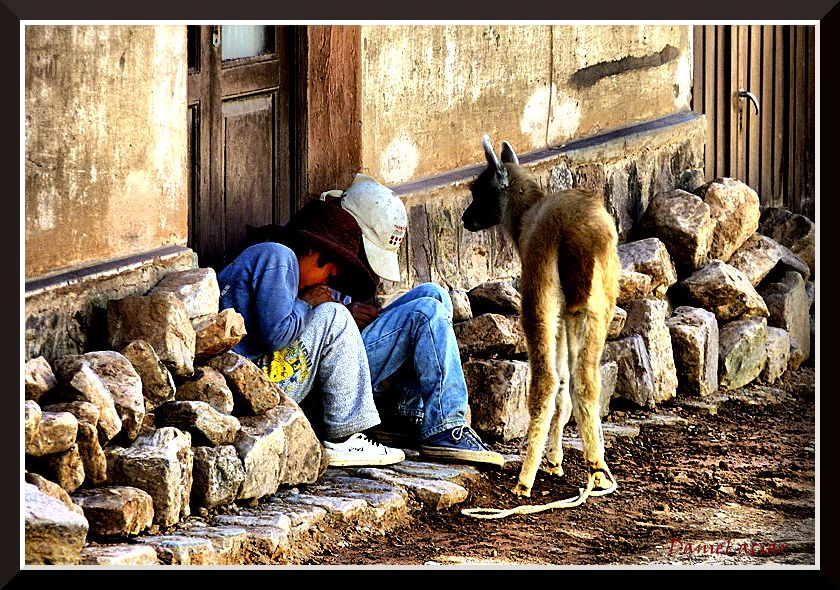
(328, 228)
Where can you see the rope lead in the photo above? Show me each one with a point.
(583, 495)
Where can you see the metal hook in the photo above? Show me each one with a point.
(749, 95)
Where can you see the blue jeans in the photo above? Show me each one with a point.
(415, 332)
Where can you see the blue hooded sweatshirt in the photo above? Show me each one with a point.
(262, 284)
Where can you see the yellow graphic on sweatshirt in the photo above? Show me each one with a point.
(287, 364)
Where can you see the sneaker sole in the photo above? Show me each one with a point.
(485, 457)
(365, 462)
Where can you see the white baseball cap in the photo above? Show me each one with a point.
(382, 217)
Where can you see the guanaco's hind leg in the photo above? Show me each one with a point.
(563, 405)
(540, 398)
(587, 333)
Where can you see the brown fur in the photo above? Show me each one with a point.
(567, 247)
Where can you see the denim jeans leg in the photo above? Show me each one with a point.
(417, 327)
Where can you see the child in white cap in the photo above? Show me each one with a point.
(410, 343)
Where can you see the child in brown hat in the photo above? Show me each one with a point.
(298, 335)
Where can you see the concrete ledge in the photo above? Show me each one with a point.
(603, 147)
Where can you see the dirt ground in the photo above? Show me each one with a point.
(733, 488)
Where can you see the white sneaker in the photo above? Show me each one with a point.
(359, 450)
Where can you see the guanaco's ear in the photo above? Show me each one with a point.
(508, 155)
(493, 161)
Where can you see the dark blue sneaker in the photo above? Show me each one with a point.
(460, 444)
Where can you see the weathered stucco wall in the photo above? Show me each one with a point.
(105, 143)
(430, 92)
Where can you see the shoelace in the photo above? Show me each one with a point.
(374, 442)
(458, 434)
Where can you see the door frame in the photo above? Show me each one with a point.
(324, 122)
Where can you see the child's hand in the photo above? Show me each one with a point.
(316, 295)
(363, 313)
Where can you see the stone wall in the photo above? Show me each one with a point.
(65, 314)
(628, 166)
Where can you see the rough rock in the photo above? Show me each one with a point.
(498, 390)
(277, 446)
(118, 555)
(217, 333)
(743, 352)
(162, 320)
(695, 340)
(180, 549)
(635, 375)
(201, 420)
(83, 411)
(38, 378)
(94, 463)
(53, 489)
(725, 291)
(121, 380)
(87, 438)
(382, 498)
(633, 285)
(31, 423)
(791, 261)
(609, 377)
(253, 392)
(86, 386)
(796, 232)
(461, 310)
(734, 208)
(683, 222)
(499, 297)
(54, 534)
(617, 323)
(789, 309)
(647, 318)
(65, 468)
(218, 474)
(778, 354)
(161, 465)
(158, 384)
(197, 288)
(56, 434)
(490, 335)
(691, 179)
(756, 257)
(649, 256)
(115, 511)
(435, 494)
(207, 385)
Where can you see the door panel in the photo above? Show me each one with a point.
(249, 169)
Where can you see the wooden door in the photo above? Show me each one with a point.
(768, 144)
(239, 134)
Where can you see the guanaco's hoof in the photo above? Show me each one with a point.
(521, 491)
(554, 468)
(600, 479)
